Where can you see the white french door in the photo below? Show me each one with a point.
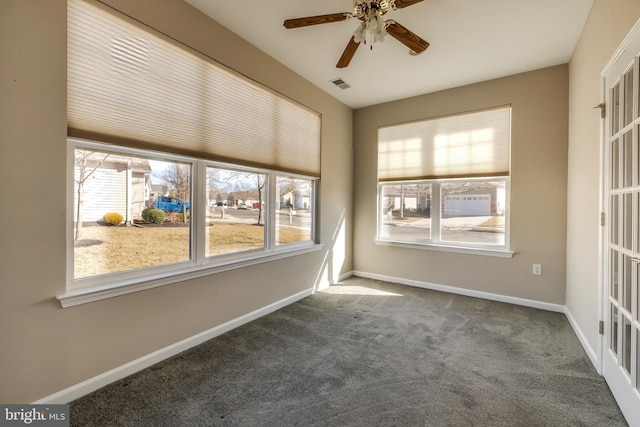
(621, 355)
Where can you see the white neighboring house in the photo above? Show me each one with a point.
(299, 199)
(155, 191)
(120, 184)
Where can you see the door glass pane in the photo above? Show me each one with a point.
(406, 212)
(626, 345)
(294, 209)
(628, 97)
(613, 344)
(615, 109)
(637, 359)
(233, 223)
(613, 235)
(637, 317)
(637, 147)
(626, 285)
(636, 198)
(615, 164)
(130, 212)
(637, 144)
(627, 217)
(613, 292)
(627, 153)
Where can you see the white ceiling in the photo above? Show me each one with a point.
(471, 41)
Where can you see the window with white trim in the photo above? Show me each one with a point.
(176, 163)
(444, 182)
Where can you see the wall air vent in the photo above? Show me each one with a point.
(340, 83)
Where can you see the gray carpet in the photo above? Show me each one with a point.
(369, 353)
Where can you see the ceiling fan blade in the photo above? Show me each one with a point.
(315, 20)
(399, 4)
(406, 37)
(348, 53)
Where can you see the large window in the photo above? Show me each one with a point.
(178, 165)
(444, 182)
(138, 213)
(461, 212)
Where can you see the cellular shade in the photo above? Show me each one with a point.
(465, 145)
(127, 82)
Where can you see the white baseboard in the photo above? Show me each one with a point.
(345, 276)
(466, 292)
(74, 392)
(591, 353)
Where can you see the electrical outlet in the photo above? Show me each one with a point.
(537, 269)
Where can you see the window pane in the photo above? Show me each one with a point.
(613, 280)
(626, 344)
(235, 211)
(129, 213)
(613, 344)
(637, 318)
(627, 217)
(473, 212)
(636, 145)
(628, 97)
(637, 359)
(406, 212)
(615, 109)
(613, 236)
(615, 164)
(627, 166)
(627, 266)
(294, 209)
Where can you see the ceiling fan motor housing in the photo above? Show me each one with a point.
(364, 9)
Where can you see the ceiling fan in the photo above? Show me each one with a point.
(370, 12)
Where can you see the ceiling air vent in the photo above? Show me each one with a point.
(340, 83)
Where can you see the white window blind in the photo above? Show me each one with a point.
(127, 82)
(464, 145)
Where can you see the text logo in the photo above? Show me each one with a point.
(34, 415)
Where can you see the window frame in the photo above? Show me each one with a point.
(435, 241)
(93, 288)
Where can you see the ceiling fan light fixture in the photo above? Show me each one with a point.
(374, 22)
(360, 33)
(378, 36)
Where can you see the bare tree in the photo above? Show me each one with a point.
(87, 163)
(260, 181)
(178, 176)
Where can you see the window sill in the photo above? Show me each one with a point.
(500, 253)
(97, 293)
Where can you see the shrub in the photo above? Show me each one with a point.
(154, 216)
(112, 218)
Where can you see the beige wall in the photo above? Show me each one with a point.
(538, 189)
(45, 349)
(607, 25)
